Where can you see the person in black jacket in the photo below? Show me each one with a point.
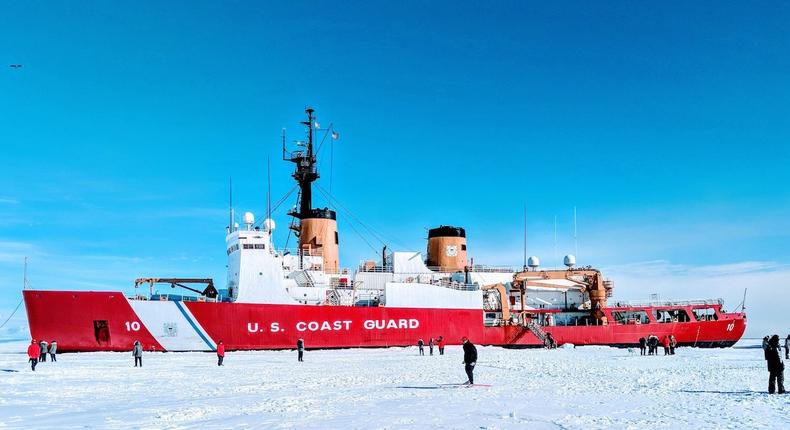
(470, 359)
(300, 349)
(420, 343)
(642, 345)
(776, 369)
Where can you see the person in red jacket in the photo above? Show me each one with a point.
(440, 343)
(220, 353)
(32, 353)
(665, 342)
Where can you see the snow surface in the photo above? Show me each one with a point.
(567, 388)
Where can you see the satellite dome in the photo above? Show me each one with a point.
(268, 224)
(249, 218)
(533, 262)
(569, 260)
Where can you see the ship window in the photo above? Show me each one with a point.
(630, 317)
(463, 247)
(248, 246)
(101, 331)
(260, 246)
(705, 314)
(671, 315)
(337, 241)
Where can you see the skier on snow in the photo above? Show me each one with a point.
(470, 359)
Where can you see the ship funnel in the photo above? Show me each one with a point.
(318, 236)
(569, 260)
(533, 262)
(447, 248)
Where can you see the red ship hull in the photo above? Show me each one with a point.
(108, 321)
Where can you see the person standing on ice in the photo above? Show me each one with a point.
(420, 343)
(137, 353)
(441, 345)
(652, 343)
(665, 343)
(787, 347)
(776, 368)
(33, 354)
(42, 351)
(470, 359)
(642, 345)
(430, 346)
(220, 353)
(53, 349)
(300, 349)
(672, 344)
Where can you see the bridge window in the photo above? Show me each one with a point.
(630, 317)
(705, 314)
(671, 315)
(260, 246)
(248, 246)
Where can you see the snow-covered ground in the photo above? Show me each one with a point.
(581, 388)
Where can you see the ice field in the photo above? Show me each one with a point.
(581, 388)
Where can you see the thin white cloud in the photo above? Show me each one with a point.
(8, 200)
(767, 284)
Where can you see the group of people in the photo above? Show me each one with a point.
(438, 342)
(649, 345)
(773, 357)
(37, 352)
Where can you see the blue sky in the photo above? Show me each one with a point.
(665, 124)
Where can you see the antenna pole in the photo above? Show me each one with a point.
(283, 136)
(268, 195)
(525, 236)
(575, 237)
(24, 279)
(230, 204)
(743, 303)
(555, 238)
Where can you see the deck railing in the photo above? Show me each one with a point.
(659, 302)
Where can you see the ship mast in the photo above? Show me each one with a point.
(317, 227)
(306, 172)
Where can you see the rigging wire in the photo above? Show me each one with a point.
(12, 313)
(348, 212)
(277, 205)
(322, 191)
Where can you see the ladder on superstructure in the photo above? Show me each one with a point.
(537, 331)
